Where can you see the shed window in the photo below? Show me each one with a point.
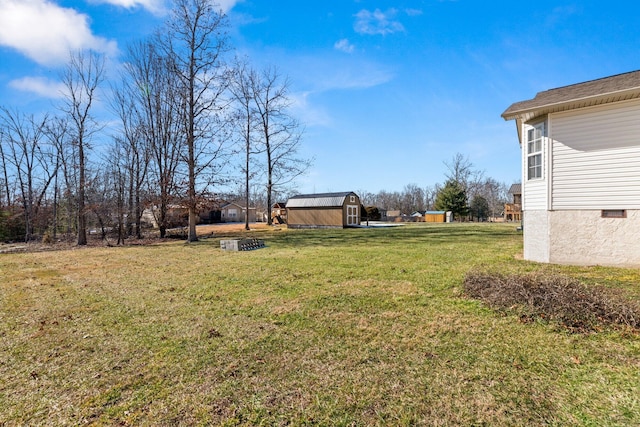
(614, 213)
(352, 199)
(534, 151)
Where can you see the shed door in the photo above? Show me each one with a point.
(352, 214)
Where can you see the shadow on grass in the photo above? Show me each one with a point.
(450, 233)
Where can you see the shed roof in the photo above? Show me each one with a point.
(615, 88)
(321, 200)
(515, 189)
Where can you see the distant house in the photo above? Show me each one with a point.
(176, 216)
(513, 211)
(417, 215)
(581, 172)
(233, 212)
(326, 210)
(209, 211)
(394, 215)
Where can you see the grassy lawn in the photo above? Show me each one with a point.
(322, 327)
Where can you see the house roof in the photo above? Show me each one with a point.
(226, 205)
(515, 189)
(321, 200)
(615, 88)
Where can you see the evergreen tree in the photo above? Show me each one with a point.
(452, 198)
(479, 207)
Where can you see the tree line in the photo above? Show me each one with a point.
(189, 117)
(466, 192)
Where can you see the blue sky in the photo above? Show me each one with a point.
(387, 90)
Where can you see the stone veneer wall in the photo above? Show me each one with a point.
(585, 238)
(535, 226)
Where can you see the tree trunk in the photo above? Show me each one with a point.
(246, 200)
(82, 217)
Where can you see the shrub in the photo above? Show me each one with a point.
(554, 297)
(12, 225)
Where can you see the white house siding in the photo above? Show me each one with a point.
(535, 191)
(582, 237)
(596, 157)
(534, 195)
(535, 225)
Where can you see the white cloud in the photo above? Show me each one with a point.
(227, 5)
(40, 86)
(343, 45)
(322, 73)
(160, 7)
(46, 32)
(377, 22)
(154, 6)
(352, 75)
(308, 113)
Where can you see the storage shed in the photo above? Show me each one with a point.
(325, 210)
(435, 216)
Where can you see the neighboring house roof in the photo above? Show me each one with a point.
(515, 189)
(594, 92)
(234, 204)
(322, 200)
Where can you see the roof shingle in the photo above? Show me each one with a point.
(608, 89)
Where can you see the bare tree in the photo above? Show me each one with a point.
(388, 200)
(98, 196)
(413, 198)
(5, 169)
(137, 150)
(59, 136)
(280, 132)
(245, 119)
(32, 160)
(82, 77)
(367, 198)
(118, 183)
(462, 171)
(430, 194)
(196, 43)
(495, 193)
(153, 91)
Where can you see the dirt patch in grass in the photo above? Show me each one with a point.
(149, 238)
(555, 297)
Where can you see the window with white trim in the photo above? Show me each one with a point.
(534, 151)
